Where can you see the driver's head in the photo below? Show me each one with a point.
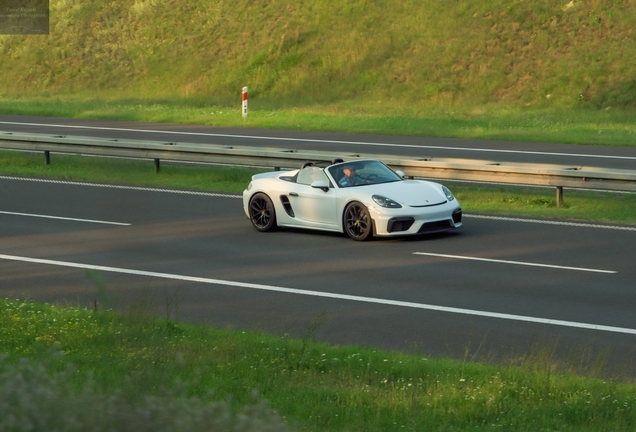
(349, 170)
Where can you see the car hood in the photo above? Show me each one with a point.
(413, 193)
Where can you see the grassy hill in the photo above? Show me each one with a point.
(401, 55)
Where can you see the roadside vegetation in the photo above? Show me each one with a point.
(549, 71)
(69, 368)
(518, 70)
(567, 126)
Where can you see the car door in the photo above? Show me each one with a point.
(313, 207)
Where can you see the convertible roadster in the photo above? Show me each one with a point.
(361, 198)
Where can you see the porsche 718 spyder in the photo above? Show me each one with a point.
(361, 198)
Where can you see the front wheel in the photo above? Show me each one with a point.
(262, 213)
(357, 221)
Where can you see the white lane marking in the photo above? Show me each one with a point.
(109, 186)
(64, 218)
(325, 295)
(324, 141)
(514, 262)
(550, 222)
(222, 195)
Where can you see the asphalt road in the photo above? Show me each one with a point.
(197, 258)
(421, 147)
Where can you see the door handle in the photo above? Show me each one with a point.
(293, 194)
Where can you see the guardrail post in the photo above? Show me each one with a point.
(157, 166)
(47, 157)
(244, 98)
(559, 196)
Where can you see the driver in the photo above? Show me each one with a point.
(349, 178)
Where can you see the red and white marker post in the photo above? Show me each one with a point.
(244, 102)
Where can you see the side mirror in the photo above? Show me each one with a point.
(400, 173)
(319, 184)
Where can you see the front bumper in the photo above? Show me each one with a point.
(414, 220)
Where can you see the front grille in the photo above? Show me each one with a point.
(433, 227)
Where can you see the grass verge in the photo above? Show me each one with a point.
(549, 125)
(390, 54)
(492, 199)
(142, 361)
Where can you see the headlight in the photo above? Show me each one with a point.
(385, 202)
(249, 186)
(449, 195)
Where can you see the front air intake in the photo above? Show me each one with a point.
(435, 227)
(400, 224)
(457, 216)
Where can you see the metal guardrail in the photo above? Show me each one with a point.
(277, 158)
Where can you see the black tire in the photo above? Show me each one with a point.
(357, 222)
(262, 213)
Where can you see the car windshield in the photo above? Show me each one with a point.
(360, 173)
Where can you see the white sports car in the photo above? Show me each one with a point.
(360, 198)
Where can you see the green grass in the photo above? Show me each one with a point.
(508, 70)
(505, 70)
(491, 199)
(129, 172)
(607, 207)
(399, 52)
(313, 386)
(571, 126)
(530, 70)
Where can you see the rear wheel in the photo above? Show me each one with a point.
(357, 221)
(262, 213)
